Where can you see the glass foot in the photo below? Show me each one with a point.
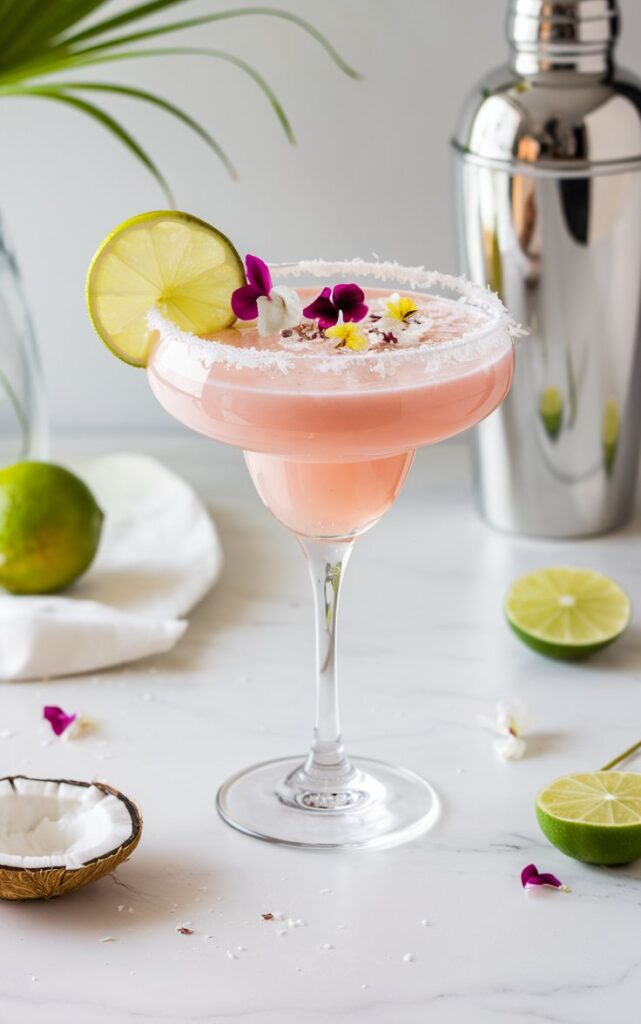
(376, 805)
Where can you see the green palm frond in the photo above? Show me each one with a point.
(158, 101)
(107, 121)
(40, 41)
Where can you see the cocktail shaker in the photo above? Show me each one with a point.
(548, 181)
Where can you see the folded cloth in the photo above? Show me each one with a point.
(159, 555)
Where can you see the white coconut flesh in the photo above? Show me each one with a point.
(48, 824)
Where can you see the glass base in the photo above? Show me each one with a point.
(378, 805)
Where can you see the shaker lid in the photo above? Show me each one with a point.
(555, 28)
(559, 106)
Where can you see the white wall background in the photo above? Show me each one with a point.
(370, 173)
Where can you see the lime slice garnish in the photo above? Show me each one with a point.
(551, 411)
(593, 816)
(565, 612)
(165, 260)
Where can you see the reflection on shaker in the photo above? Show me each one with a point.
(551, 411)
(610, 434)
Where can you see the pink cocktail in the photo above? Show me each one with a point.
(329, 435)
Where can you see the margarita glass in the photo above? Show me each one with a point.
(329, 435)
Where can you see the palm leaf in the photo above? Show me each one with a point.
(158, 101)
(12, 14)
(37, 40)
(41, 21)
(52, 93)
(195, 51)
(133, 14)
(205, 19)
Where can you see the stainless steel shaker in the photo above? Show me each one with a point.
(548, 179)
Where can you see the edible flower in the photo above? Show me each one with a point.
(346, 301)
(511, 721)
(530, 876)
(348, 336)
(57, 718)
(400, 307)
(276, 308)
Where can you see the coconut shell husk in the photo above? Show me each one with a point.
(45, 883)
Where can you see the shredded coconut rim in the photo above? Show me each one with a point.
(418, 279)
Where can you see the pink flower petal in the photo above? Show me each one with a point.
(323, 310)
(356, 313)
(244, 302)
(349, 299)
(57, 718)
(258, 275)
(531, 876)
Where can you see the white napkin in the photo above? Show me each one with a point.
(159, 555)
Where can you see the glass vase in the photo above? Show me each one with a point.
(23, 425)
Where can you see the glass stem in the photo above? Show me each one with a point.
(326, 561)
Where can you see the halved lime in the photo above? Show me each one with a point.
(593, 816)
(167, 260)
(565, 612)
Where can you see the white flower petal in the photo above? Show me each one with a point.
(292, 302)
(510, 748)
(278, 311)
(512, 716)
(389, 324)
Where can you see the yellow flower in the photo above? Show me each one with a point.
(349, 336)
(400, 307)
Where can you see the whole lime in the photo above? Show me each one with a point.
(50, 525)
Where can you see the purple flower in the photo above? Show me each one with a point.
(244, 301)
(58, 720)
(275, 309)
(531, 876)
(347, 299)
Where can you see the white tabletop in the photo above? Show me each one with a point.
(424, 651)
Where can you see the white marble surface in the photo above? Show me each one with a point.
(425, 650)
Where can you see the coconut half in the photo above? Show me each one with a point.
(57, 835)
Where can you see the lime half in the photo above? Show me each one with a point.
(167, 260)
(593, 816)
(567, 613)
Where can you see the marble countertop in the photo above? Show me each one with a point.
(424, 651)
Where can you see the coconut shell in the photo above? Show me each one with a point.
(45, 883)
